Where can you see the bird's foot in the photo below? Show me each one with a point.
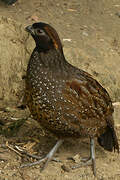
(86, 162)
(46, 159)
(40, 160)
(86, 159)
(90, 160)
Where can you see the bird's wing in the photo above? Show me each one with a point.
(87, 104)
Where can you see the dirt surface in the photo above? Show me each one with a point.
(89, 30)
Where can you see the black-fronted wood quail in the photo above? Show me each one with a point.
(66, 100)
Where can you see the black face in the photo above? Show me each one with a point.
(42, 39)
(45, 36)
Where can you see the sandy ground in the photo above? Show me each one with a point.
(76, 20)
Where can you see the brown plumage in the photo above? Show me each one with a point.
(64, 99)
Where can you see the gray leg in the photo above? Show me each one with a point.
(92, 155)
(90, 160)
(47, 158)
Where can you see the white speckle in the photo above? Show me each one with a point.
(38, 85)
(37, 94)
(45, 99)
(42, 72)
(44, 95)
(63, 81)
(40, 82)
(60, 108)
(61, 98)
(55, 100)
(45, 84)
(67, 108)
(40, 102)
(53, 87)
(43, 105)
(47, 87)
(53, 107)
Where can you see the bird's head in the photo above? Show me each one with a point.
(45, 36)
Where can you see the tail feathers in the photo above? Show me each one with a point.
(108, 140)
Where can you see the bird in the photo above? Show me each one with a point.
(9, 2)
(66, 100)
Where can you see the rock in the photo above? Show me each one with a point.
(13, 58)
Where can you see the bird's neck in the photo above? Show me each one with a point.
(52, 58)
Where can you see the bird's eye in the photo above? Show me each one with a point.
(40, 31)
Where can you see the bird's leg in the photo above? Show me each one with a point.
(92, 155)
(90, 160)
(47, 158)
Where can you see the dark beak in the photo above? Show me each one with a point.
(30, 29)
